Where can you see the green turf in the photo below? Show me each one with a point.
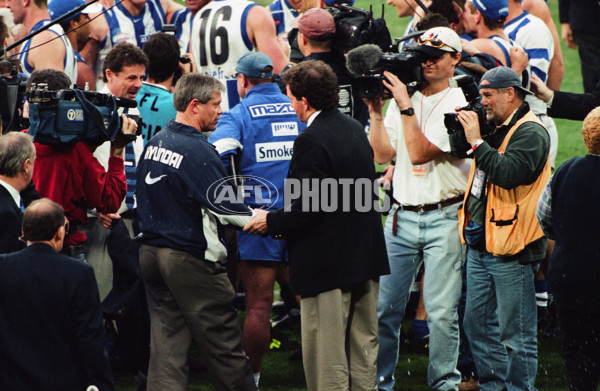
(279, 373)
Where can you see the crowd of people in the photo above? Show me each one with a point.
(237, 150)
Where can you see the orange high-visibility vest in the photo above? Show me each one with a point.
(510, 221)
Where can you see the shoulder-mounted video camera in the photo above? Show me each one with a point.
(355, 27)
(368, 62)
(73, 115)
(12, 93)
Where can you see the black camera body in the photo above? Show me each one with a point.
(453, 124)
(406, 65)
(368, 62)
(456, 131)
(12, 95)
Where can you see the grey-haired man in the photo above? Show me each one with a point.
(510, 169)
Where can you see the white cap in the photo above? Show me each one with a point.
(441, 38)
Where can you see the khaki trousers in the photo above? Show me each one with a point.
(339, 338)
(189, 298)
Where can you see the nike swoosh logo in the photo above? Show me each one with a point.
(151, 181)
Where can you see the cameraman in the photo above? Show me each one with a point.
(71, 176)
(429, 185)
(509, 171)
(316, 29)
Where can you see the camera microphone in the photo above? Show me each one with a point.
(125, 102)
(362, 59)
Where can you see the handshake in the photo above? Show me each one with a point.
(258, 224)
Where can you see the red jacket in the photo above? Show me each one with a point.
(71, 176)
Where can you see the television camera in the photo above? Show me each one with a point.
(12, 94)
(368, 62)
(72, 115)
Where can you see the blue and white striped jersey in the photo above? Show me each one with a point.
(532, 34)
(182, 19)
(219, 38)
(283, 14)
(123, 27)
(69, 63)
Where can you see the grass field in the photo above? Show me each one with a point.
(279, 373)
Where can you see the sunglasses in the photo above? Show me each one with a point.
(433, 41)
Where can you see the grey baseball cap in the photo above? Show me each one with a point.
(502, 77)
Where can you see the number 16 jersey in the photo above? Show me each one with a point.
(219, 38)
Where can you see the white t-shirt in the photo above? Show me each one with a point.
(440, 179)
(102, 153)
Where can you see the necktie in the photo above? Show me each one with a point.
(22, 206)
(130, 174)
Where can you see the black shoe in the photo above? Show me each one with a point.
(414, 341)
(296, 356)
(278, 307)
(292, 317)
(140, 381)
(281, 342)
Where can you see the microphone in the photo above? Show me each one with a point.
(126, 102)
(362, 59)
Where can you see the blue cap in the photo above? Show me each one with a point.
(255, 64)
(496, 10)
(333, 3)
(57, 8)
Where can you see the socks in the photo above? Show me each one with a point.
(287, 296)
(256, 378)
(419, 328)
(541, 293)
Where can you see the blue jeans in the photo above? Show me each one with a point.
(430, 237)
(501, 321)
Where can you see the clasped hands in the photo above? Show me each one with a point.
(258, 224)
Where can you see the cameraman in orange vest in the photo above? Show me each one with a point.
(505, 242)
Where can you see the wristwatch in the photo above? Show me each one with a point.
(410, 111)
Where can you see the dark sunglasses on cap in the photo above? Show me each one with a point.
(433, 41)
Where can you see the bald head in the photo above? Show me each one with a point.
(591, 131)
(42, 220)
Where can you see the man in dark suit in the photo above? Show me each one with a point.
(580, 29)
(51, 330)
(567, 105)
(335, 236)
(574, 269)
(17, 155)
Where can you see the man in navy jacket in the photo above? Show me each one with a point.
(51, 330)
(182, 190)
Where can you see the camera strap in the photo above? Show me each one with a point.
(92, 111)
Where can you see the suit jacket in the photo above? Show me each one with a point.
(582, 15)
(51, 330)
(574, 106)
(11, 218)
(329, 250)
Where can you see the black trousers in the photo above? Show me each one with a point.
(589, 55)
(580, 349)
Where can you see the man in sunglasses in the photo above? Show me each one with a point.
(421, 228)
